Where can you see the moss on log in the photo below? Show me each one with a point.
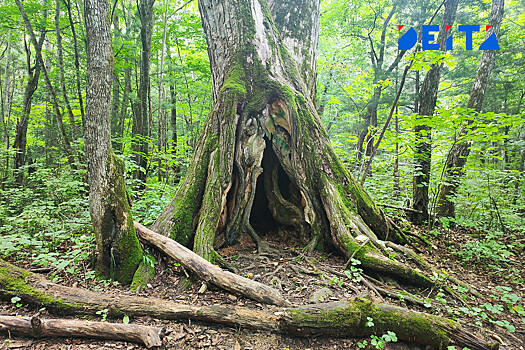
(344, 319)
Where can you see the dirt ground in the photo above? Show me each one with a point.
(300, 278)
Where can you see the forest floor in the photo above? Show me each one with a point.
(310, 279)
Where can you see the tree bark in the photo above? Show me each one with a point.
(459, 152)
(263, 57)
(118, 252)
(33, 75)
(427, 103)
(38, 328)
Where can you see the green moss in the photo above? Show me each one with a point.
(235, 79)
(126, 252)
(15, 281)
(145, 273)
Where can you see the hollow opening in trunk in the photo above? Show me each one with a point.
(261, 218)
(278, 206)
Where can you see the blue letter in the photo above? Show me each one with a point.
(468, 29)
(491, 43)
(427, 37)
(408, 40)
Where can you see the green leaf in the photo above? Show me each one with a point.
(125, 319)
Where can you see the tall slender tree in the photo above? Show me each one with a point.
(427, 103)
(143, 120)
(54, 99)
(33, 75)
(457, 157)
(118, 251)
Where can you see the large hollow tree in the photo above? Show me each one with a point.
(263, 159)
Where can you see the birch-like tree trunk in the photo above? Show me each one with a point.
(118, 251)
(460, 150)
(263, 156)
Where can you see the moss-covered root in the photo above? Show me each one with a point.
(355, 239)
(145, 273)
(351, 318)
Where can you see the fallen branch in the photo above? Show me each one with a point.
(38, 328)
(400, 208)
(346, 319)
(210, 273)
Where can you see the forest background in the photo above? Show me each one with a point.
(44, 209)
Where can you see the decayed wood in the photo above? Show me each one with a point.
(211, 273)
(38, 328)
(346, 319)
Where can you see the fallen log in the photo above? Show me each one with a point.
(210, 273)
(345, 319)
(39, 328)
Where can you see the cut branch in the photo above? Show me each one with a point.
(211, 273)
(38, 328)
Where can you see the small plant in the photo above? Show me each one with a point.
(375, 341)
(335, 280)
(125, 319)
(103, 313)
(355, 272)
(15, 300)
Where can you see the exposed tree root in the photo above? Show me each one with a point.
(39, 328)
(347, 319)
(422, 262)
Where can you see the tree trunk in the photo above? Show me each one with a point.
(143, 130)
(123, 107)
(263, 157)
(33, 74)
(427, 104)
(77, 61)
(459, 152)
(61, 75)
(58, 115)
(343, 319)
(118, 252)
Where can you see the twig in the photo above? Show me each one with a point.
(400, 208)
